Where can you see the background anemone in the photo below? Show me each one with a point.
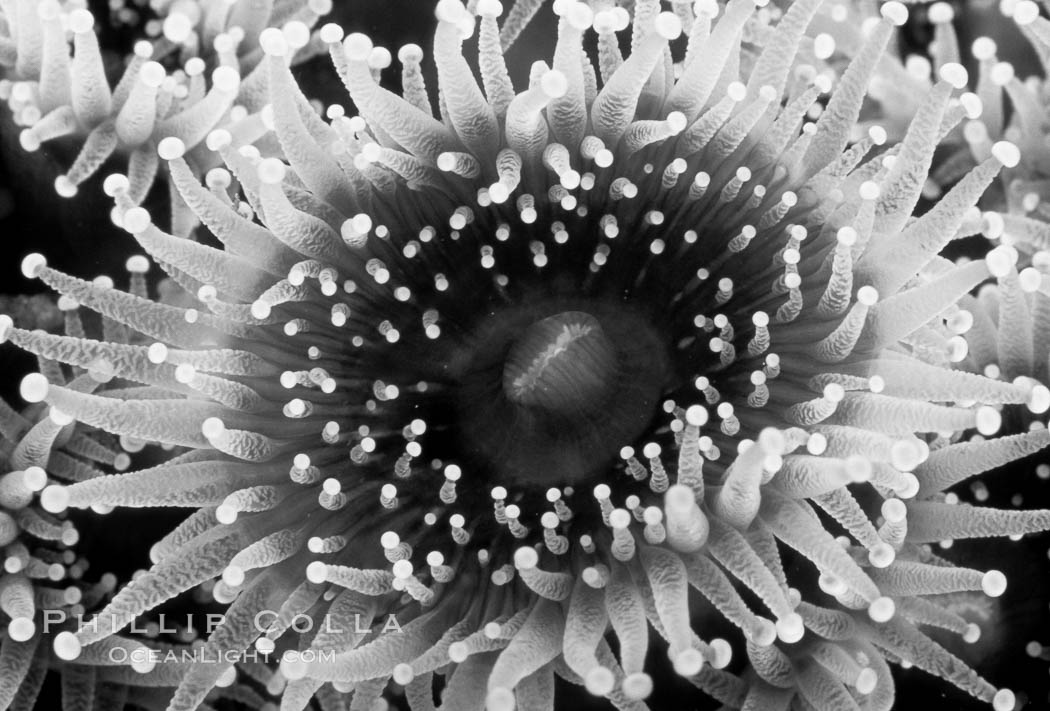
(44, 585)
(58, 94)
(540, 366)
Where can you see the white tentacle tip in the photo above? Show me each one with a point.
(993, 583)
(790, 628)
(171, 148)
(144, 664)
(226, 79)
(65, 187)
(489, 8)
(28, 140)
(358, 47)
(271, 171)
(218, 139)
(690, 661)
(137, 264)
(867, 680)
(637, 686)
(941, 12)
(895, 12)
(152, 74)
(955, 74)
(66, 646)
(599, 681)
(526, 558)
(54, 498)
(213, 428)
(1004, 700)
(668, 26)
(225, 514)
(1006, 153)
(972, 105)
(115, 184)
(1025, 12)
(403, 674)
(81, 21)
(988, 420)
(881, 555)
(882, 609)
(21, 629)
(578, 15)
(33, 387)
(137, 220)
(233, 576)
(554, 84)
(331, 33)
(410, 54)
(317, 572)
(984, 48)
(676, 121)
(273, 43)
(721, 654)
(450, 11)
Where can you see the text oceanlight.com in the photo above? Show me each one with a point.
(144, 657)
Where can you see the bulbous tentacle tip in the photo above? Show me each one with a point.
(1004, 700)
(65, 187)
(28, 140)
(993, 583)
(81, 21)
(882, 609)
(637, 686)
(273, 42)
(115, 184)
(55, 498)
(1006, 153)
(171, 148)
(790, 628)
(21, 629)
(599, 681)
(66, 646)
(866, 681)
(34, 387)
(317, 572)
(136, 220)
(955, 74)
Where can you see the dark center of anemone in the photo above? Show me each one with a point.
(562, 364)
(554, 388)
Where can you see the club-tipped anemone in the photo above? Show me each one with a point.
(487, 391)
(180, 85)
(998, 329)
(44, 586)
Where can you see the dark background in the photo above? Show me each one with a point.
(77, 237)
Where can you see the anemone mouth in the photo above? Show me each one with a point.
(553, 388)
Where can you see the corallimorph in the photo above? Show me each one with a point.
(54, 94)
(482, 392)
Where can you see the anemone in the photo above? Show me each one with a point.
(43, 586)
(56, 95)
(487, 391)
